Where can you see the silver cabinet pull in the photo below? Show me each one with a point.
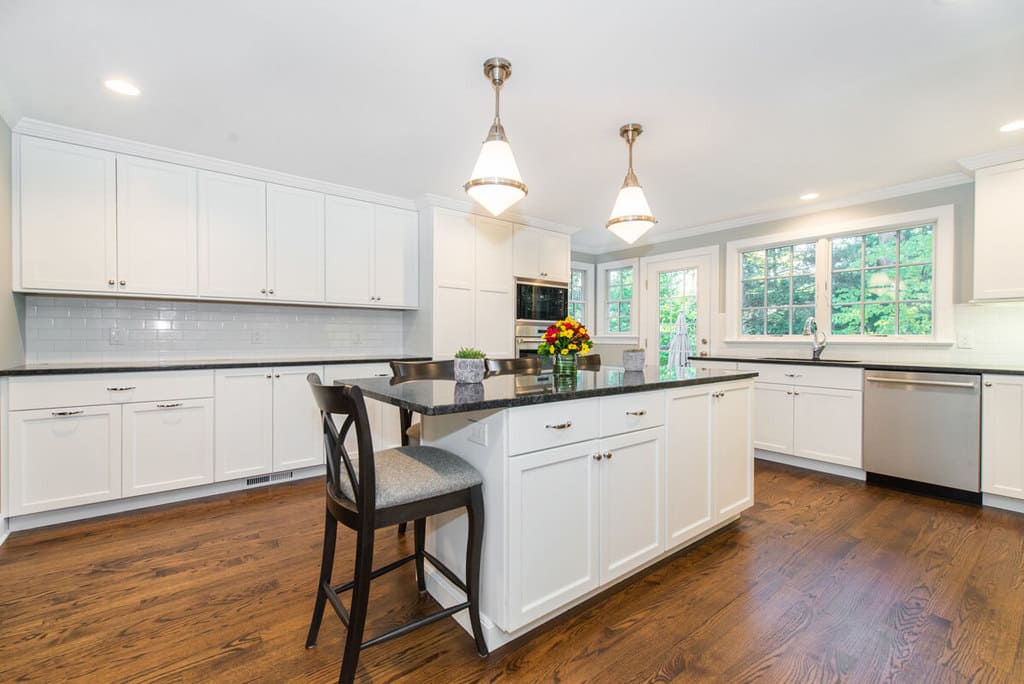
(560, 426)
(796, 394)
(641, 412)
(263, 290)
(790, 392)
(793, 375)
(598, 457)
(277, 375)
(931, 383)
(123, 283)
(66, 413)
(268, 375)
(174, 405)
(381, 375)
(270, 291)
(111, 282)
(120, 389)
(988, 383)
(608, 454)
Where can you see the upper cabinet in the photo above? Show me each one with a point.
(91, 221)
(232, 236)
(295, 244)
(372, 254)
(156, 227)
(66, 217)
(541, 254)
(998, 231)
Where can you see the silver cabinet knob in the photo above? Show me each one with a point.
(268, 375)
(608, 455)
(123, 283)
(277, 375)
(598, 457)
(270, 291)
(111, 282)
(988, 383)
(263, 291)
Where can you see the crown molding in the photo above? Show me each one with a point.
(431, 201)
(935, 183)
(1003, 156)
(77, 136)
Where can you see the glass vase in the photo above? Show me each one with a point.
(566, 364)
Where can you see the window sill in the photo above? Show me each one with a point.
(843, 341)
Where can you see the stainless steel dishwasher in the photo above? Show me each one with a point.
(922, 432)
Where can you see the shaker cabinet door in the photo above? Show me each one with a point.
(295, 245)
(167, 445)
(232, 236)
(244, 434)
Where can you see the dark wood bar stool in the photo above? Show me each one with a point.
(378, 490)
(512, 366)
(589, 362)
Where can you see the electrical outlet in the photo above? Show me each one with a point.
(478, 433)
(117, 335)
(965, 339)
(256, 337)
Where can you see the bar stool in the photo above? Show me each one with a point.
(378, 490)
(589, 362)
(512, 366)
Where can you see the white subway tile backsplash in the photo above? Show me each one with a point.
(61, 329)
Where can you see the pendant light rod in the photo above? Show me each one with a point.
(629, 133)
(497, 70)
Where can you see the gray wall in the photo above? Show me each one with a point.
(12, 342)
(961, 196)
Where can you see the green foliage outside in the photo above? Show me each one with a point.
(620, 299)
(677, 293)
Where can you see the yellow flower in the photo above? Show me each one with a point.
(564, 352)
(573, 346)
(583, 331)
(551, 349)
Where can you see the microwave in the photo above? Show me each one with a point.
(541, 302)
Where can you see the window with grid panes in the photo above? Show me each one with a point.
(577, 295)
(619, 286)
(777, 289)
(882, 282)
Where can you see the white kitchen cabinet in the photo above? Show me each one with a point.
(295, 244)
(232, 236)
(372, 254)
(298, 434)
(773, 417)
(244, 432)
(1002, 435)
(999, 231)
(167, 445)
(66, 217)
(827, 425)
(688, 504)
(64, 457)
(541, 254)
(632, 511)
(731, 450)
(494, 318)
(385, 424)
(156, 227)
(554, 525)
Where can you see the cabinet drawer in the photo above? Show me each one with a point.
(107, 388)
(346, 371)
(808, 376)
(549, 425)
(629, 412)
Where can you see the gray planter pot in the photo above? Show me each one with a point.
(634, 359)
(469, 370)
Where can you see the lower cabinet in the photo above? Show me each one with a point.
(732, 453)
(167, 445)
(689, 509)
(64, 457)
(385, 423)
(1002, 435)
(266, 421)
(819, 423)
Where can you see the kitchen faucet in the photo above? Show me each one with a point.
(818, 344)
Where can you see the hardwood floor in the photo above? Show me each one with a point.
(825, 579)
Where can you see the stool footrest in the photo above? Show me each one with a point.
(415, 624)
(443, 569)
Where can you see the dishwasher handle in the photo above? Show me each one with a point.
(931, 383)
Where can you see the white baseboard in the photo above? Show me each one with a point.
(809, 464)
(65, 515)
(1004, 502)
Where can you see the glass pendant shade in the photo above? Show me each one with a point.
(631, 215)
(495, 183)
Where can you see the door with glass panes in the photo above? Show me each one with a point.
(675, 306)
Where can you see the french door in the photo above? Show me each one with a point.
(676, 304)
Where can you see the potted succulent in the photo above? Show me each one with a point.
(564, 342)
(469, 365)
(634, 359)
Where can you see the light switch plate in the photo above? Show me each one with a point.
(117, 335)
(478, 433)
(965, 339)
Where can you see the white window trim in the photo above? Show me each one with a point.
(602, 302)
(943, 331)
(588, 289)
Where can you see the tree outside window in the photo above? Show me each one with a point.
(619, 286)
(577, 295)
(778, 289)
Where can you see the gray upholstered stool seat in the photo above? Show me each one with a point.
(414, 473)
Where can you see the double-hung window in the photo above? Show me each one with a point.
(778, 289)
(618, 294)
(581, 293)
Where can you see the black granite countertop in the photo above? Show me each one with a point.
(191, 364)
(899, 366)
(439, 397)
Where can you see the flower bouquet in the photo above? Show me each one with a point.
(565, 341)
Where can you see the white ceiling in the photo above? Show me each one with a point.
(746, 104)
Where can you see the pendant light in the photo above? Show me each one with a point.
(631, 216)
(495, 182)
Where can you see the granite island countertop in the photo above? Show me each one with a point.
(71, 367)
(440, 397)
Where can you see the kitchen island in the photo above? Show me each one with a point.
(587, 480)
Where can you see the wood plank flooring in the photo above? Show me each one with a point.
(824, 580)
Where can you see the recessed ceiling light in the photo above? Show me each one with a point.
(121, 86)
(809, 196)
(1017, 125)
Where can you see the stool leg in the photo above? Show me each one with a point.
(401, 529)
(357, 609)
(405, 420)
(326, 567)
(420, 530)
(475, 509)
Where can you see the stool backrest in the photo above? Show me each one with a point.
(589, 362)
(422, 370)
(506, 366)
(346, 400)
